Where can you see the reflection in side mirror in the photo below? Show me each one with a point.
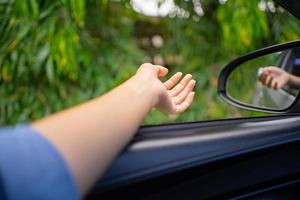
(265, 80)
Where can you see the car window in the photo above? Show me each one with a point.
(57, 53)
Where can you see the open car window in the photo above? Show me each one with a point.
(55, 54)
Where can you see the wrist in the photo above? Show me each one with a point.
(292, 80)
(144, 90)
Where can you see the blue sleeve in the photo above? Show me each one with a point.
(31, 168)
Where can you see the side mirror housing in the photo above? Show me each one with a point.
(266, 80)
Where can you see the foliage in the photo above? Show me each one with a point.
(58, 53)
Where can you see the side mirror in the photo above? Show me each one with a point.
(265, 80)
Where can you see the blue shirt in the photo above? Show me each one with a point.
(31, 168)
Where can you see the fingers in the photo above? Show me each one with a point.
(181, 96)
(186, 103)
(275, 86)
(173, 80)
(184, 93)
(268, 80)
(179, 87)
(184, 99)
(262, 78)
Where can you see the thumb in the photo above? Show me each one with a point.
(161, 71)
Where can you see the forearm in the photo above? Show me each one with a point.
(81, 133)
(90, 135)
(294, 81)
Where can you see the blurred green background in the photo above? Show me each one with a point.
(58, 53)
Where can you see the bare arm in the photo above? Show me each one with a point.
(276, 78)
(90, 135)
(294, 81)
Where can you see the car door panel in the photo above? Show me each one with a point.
(161, 158)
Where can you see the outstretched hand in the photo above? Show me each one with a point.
(274, 77)
(173, 96)
(103, 126)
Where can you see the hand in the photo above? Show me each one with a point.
(170, 97)
(274, 77)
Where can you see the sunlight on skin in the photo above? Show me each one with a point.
(181, 94)
(89, 136)
(176, 97)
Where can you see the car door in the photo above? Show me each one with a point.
(234, 158)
